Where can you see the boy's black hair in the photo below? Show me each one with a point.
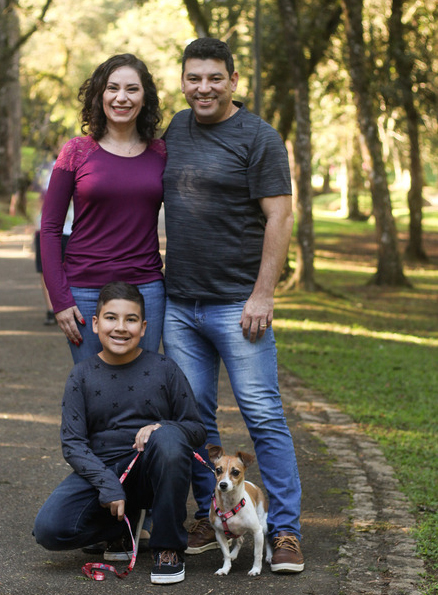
(119, 290)
(209, 48)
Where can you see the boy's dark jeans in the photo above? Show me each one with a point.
(160, 479)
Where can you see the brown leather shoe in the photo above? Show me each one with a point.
(201, 537)
(287, 556)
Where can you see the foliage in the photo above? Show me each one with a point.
(373, 351)
(77, 36)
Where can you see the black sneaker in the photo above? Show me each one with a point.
(50, 318)
(168, 568)
(95, 548)
(119, 550)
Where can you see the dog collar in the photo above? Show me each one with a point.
(224, 516)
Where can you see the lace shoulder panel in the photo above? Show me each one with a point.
(159, 146)
(75, 152)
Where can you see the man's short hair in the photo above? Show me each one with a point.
(119, 290)
(209, 48)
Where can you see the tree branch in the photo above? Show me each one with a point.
(23, 38)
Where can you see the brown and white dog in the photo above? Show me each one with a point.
(237, 507)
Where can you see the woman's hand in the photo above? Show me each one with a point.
(66, 320)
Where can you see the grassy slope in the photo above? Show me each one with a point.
(373, 351)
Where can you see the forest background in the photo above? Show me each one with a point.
(351, 86)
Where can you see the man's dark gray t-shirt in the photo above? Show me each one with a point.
(214, 176)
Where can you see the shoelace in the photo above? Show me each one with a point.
(288, 542)
(167, 557)
(201, 526)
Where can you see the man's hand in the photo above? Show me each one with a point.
(257, 315)
(143, 436)
(117, 508)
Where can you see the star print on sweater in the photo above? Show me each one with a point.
(104, 406)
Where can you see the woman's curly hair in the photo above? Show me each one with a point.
(91, 92)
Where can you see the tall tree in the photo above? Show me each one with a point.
(355, 180)
(389, 265)
(404, 64)
(9, 103)
(298, 39)
(303, 275)
(11, 40)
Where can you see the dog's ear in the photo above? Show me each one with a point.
(246, 458)
(214, 452)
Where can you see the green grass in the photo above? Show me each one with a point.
(374, 352)
(8, 221)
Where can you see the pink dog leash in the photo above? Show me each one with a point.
(201, 460)
(94, 569)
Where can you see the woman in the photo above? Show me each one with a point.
(114, 175)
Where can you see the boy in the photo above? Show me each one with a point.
(122, 399)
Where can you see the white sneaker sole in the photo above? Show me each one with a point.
(117, 556)
(287, 568)
(203, 548)
(168, 579)
(213, 545)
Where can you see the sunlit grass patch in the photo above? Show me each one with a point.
(373, 351)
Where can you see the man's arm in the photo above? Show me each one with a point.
(259, 309)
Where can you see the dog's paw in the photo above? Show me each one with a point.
(234, 554)
(268, 558)
(254, 571)
(222, 572)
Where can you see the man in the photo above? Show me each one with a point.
(227, 195)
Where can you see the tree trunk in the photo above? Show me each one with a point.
(197, 18)
(355, 180)
(303, 276)
(326, 188)
(10, 112)
(389, 266)
(404, 64)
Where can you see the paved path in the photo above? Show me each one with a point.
(355, 521)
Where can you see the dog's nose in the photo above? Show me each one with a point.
(223, 485)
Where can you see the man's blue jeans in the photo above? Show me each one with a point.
(72, 517)
(197, 335)
(86, 300)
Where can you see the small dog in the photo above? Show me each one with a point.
(238, 506)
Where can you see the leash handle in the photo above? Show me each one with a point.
(94, 569)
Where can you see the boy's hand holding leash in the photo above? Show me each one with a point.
(117, 508)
